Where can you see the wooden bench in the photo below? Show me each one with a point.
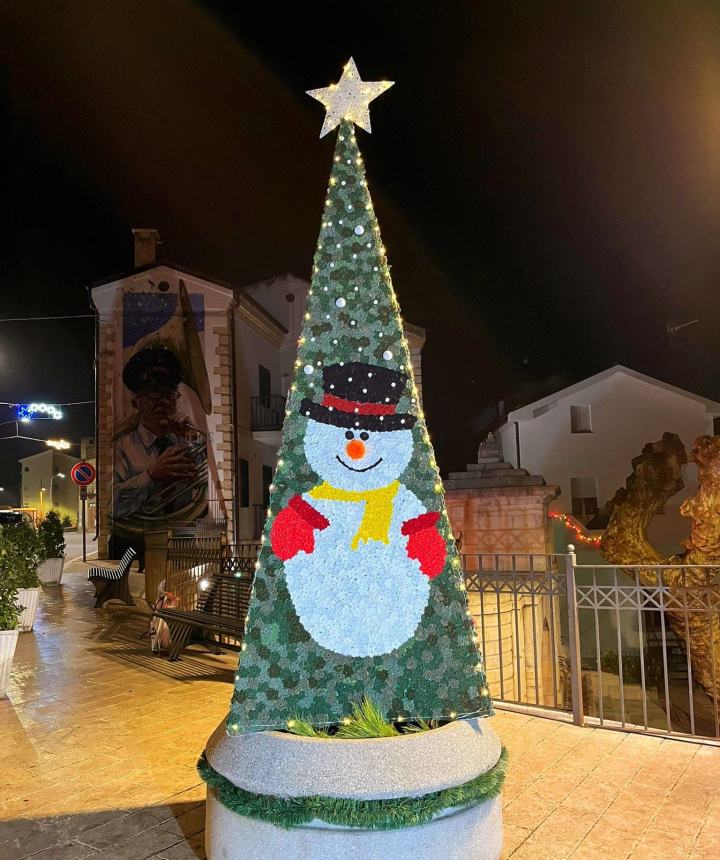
(221, 611)
(113, 583)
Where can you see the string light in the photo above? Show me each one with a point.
(576, 528)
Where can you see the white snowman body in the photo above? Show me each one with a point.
(369, 600)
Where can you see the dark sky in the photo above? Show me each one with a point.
(546, 176)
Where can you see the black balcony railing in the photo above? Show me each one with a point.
(267, 412)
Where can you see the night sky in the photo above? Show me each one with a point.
(546, 177)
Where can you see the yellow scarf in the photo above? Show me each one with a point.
(375, 523)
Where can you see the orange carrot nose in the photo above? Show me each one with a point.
(355, 449)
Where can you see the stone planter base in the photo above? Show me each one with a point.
(50, 572)
(8, 640)
(285, 765)
(27, 598)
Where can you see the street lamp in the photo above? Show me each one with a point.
(56, 475)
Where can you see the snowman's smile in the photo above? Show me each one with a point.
(366, 469)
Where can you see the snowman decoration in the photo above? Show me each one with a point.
(359, 549)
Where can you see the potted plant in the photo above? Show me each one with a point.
(53, 537)
(10, 611)
(365, 787)
(24, 553)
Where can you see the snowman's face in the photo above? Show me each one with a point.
(357, 459)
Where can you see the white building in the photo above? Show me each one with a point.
(45, 484)
(237, 347)
(584, 437)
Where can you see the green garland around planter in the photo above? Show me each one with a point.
(390, 814)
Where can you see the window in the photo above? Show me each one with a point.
(267, 474)
(584, 498)
(244, 474)
(264, 381)
(716, 426)
(580, 419)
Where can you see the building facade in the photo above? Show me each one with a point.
(45, 484)
(584, 437)
(216, 360)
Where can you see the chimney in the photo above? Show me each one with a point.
(146, 240)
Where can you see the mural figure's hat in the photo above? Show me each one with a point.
(152, 368)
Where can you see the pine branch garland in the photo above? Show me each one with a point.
(390, 814)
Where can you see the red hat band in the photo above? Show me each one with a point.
(356, 407)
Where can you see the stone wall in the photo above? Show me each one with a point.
(497, 510)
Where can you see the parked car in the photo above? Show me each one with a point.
(10, 518)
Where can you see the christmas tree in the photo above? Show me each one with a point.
(358, 590)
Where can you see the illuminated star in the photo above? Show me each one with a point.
(348, 99)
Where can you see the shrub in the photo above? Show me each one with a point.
(23, 552)
(52, 535)
(67, 522)
(10, 609)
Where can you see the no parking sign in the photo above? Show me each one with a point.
(83, 473)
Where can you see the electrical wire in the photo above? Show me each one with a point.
(55, 403)
(58, 317)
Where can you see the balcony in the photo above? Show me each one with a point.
(267, 412)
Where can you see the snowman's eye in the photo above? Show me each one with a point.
(350, 435)
(364, 436)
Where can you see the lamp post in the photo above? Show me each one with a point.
(60, 475)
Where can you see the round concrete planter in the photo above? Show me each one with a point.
(50, 571)
(28, 599)
(8, 640)
(413, 765)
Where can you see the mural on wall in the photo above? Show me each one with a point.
(163, 460)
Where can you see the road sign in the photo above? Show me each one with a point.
(83, 473)
(83, 492)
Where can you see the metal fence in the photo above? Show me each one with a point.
(632, 647)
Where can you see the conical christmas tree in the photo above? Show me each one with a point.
(358, 590)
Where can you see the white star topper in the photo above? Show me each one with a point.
(349, 98)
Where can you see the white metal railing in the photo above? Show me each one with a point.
(632, 646)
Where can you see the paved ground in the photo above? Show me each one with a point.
(98, 743)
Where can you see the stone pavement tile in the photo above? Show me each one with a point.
(607, 843)
(657, 843)
(527, 813)
(192, 849)
(686, 822)
(553, 788)
(146, 844)
(513, 838)
(188, 824)
(591, 795)
(560, 826)
(71, 826)
(27, 844)
(66, 851)
(709, 834)
(118, 829)
(17, 828)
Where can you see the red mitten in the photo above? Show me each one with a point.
(425, 543)
(293, 529)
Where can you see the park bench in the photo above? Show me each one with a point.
(113, 583)
(221, 611)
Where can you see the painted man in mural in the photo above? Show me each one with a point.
(160, 459)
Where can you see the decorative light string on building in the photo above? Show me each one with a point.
(576, 528)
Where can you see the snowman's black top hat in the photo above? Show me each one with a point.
(360, 395)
